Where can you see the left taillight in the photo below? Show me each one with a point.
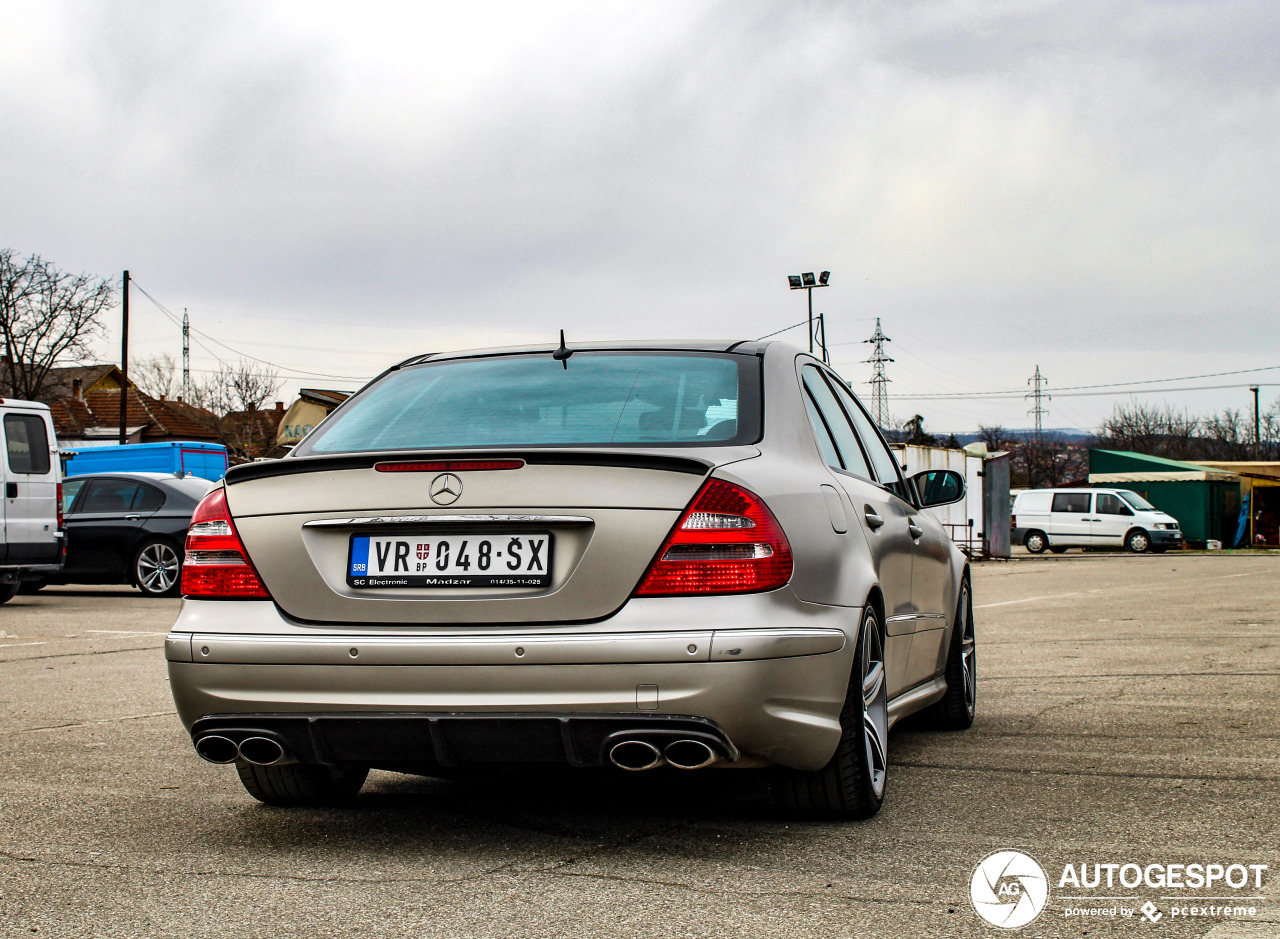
(216, 566)
(727, 541)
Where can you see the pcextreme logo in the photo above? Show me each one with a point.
(1009, 889)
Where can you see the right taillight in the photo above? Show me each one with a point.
(727, 541)
(216, 566)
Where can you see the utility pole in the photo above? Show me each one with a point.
(124, 365)
(879, 391)
(1257, 425)
(186, 357)
(1038, 395)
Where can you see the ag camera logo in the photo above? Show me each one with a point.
(1009, 889)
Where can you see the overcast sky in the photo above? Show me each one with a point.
(1090, 187)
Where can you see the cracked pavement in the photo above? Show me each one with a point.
(1127, 711)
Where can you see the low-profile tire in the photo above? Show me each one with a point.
(956, 709)
(852, 784)
(1058, 549)
(1138, 541)
(301, 784)
(157, 568)
(9, 591)
(1036, 542)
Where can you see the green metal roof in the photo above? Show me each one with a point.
(1131, 461)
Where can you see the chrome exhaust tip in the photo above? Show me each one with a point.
(635, 755)
(690, 754)
(216, 749)
(261, 751)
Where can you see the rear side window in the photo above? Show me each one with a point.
(851, 456)
(1077, 503)
(27, 443)
(881, 457)
(828, 449)
(148, 499)
(600, 399)
(70, 489)
(108, 497)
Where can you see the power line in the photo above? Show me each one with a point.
(783, 329)
(283, 368)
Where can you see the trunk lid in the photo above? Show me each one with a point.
(606, 514)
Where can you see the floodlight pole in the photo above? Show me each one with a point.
(1257, 425)
(809, 291)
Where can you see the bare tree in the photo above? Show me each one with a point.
(155, 376)
(1158, 431)
(996, 437)
(47, 318)
(234, 396)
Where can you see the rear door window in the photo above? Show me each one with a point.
(852, 458)
(70, 489)
(148, 499)
(821, 435)
(28, 444)
(881, 456)
(1074, 503)
(108, 497)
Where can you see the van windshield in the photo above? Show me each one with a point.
(1135, 500)
(601, 399)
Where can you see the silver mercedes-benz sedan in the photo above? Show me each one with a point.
(627, 555)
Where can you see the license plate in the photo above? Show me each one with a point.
(497, 560)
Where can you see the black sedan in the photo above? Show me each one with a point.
(127, 528)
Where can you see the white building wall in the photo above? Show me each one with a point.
(956, 517)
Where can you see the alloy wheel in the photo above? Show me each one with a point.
(968, 653)
(158, 567)
(875, 705)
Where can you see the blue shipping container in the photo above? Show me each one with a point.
(207, 460)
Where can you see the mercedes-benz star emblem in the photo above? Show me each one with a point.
(445, 489)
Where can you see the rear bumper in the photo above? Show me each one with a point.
(775, 692)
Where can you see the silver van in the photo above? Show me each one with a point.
(32, 478)
(1058, 519)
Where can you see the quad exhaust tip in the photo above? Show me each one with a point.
(635, 755)
(216, 749)
(262, 751)
(690, 754)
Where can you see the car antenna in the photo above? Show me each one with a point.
(562, 354)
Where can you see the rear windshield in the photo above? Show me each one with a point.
(601, 399)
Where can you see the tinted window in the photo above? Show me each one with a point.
(1136, 501)
(1109, 504)
(881, 457)
(108, 496)
(851, 455)
(70, 489)
(148, 499)
(600, 399)
(28, 444)
(829, 455)
(1074, 502)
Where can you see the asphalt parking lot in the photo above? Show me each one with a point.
(1128, 711)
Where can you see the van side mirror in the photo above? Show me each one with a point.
(938, 487)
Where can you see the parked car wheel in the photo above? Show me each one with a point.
(1058, 549)
(956, 709)
(157, 569)
(299, 784)
(1138, 541)
(852, 784)
(9, 591)
(1036, 542)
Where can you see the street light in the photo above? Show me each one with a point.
(808, 282)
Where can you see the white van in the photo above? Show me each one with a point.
(1058, 519)
(31, 475)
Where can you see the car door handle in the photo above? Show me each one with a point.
(132, 518)
(874, 521)
(915, 530)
